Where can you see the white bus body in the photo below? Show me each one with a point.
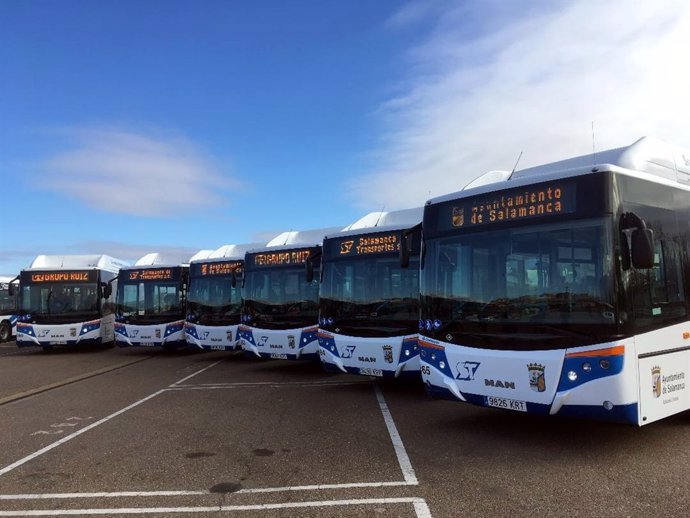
(214, 299)
(279, 307)
(151, 302)
(8, 310)
(547, 293)
(67, 300)
(368, 303)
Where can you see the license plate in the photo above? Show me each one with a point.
(58, 342)
(366, 371)
(146, 344)
(217, 347)
(508, 404)
(277, 356)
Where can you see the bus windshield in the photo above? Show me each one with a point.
(281, 298)
(370, 297)
(60, 302)
(213, 300)
(149, 302)
(527, 287)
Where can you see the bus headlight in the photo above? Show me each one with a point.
(587, 367)
(604, 364)
(572, 375)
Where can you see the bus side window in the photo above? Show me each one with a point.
(659, 296)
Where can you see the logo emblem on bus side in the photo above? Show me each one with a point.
(537, 382)
(467, 370)
(458, 216)
(656, 381)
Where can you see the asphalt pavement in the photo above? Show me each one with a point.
(116, 432)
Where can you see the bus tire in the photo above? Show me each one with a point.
(5, 331)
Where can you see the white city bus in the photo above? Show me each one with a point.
(67, 300)
(214, 298)
(151, 301)
(564, 289)
(280, 305)
(368, 303)
(8, 309)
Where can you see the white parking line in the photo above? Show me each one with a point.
(196, 373)
(403, 459)
(420, 506)
(130, 494)
(120, 494)
(40, 452)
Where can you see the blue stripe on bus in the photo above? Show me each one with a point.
(618, 414)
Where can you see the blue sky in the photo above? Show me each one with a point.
(136, 126)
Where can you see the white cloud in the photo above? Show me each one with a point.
(532, 83)
(415, 12)
(135, 173)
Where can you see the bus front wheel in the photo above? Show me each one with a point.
(5, 332)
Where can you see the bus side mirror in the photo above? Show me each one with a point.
(233, 279)
(404, 252)
(642, 248)
(107, 289)
(309, 270)
(10, 289)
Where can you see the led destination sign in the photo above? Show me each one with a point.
(361, 245)
(218, 268)
(151, 274)
(517, 205)
(281, 258)
(63, 276)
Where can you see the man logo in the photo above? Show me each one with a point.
(537, 382)
(656, 381)
(458, 216)
(346, 247)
